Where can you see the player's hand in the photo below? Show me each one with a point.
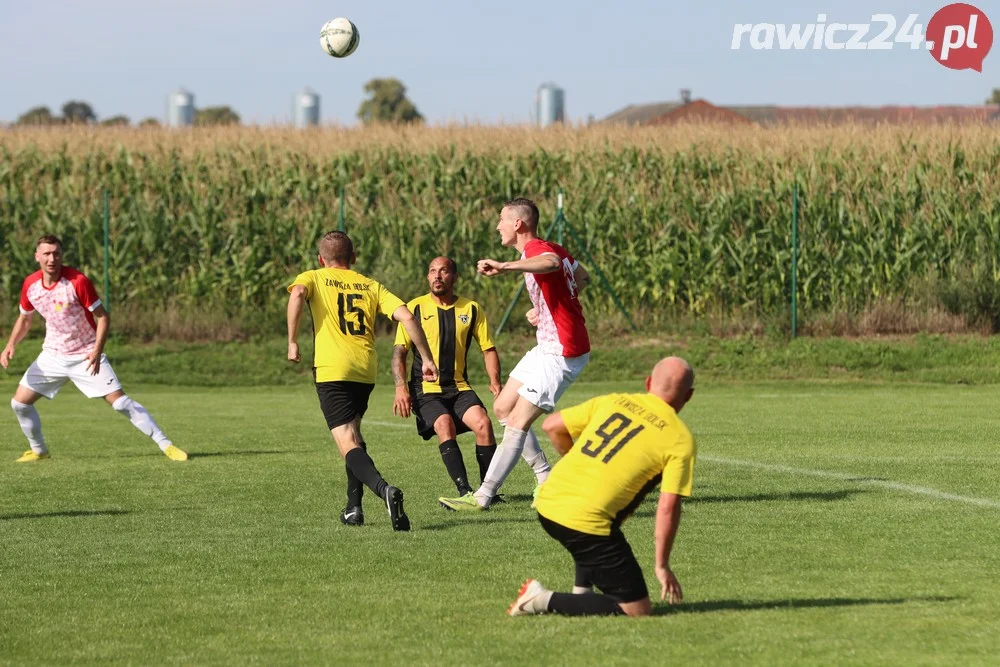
(532, 317)
(429, 370)
(293, 353)
(489, 267)
(6, 356)
(94, 362)
(495, 389)
(670, 588)
(401, 406)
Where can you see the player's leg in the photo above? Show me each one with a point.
(515, 433)
(23, 405)
(503, 461)
(444, 428)
(435, 416)
(361, 466)
(352, 514)
(608, 561)
(532, 451)
(344, 404)
(581, 581)
(479, 423)
(44, 377)
(506, 399)
(137, 413)
(105, 384)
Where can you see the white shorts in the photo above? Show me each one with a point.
(545, 377)
(48, 373)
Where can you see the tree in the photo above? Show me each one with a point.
(37, 116)
(387, 103)
(995, 97)
(120, 120)
(221, 115)
(149, 122)
(75, 111)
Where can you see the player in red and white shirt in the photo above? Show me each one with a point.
(554, 280)
(76, 329)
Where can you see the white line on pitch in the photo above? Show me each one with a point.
(858, 479)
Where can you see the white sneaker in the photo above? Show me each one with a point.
(528, 602)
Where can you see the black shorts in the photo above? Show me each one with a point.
(605, 561)
(342, 401)
(428, 407)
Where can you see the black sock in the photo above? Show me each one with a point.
(582, 578)
(484, 456)
(355, 488)
(584, 604)
(362, 466)
(453, 461)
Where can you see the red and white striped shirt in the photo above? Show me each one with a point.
(561, 329)
(67, 306)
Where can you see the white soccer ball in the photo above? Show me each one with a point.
(339, 37)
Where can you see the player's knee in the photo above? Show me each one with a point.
(18, 407)
(502, 412)
(444, 427)
(483, 428)
(638, 608)
(123, 404)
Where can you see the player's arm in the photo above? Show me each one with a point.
(544, 263)
(668, 518)
(413, 329)
(401, 405)
(558, 433)
(492, 360)
(296, 304)
(567, 425)
(581, 276)
(22, 325)
(103, 320)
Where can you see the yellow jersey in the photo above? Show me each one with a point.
(626, 444)
(450, 331)
(343, 304)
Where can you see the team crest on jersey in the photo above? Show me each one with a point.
(464, 319)
(60, 305)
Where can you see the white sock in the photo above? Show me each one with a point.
(535, 457)
(540, 603)
(142, 420)
(503, 462)
(580, 590)
(31, 425)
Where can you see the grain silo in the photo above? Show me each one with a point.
(551, 105)
(180, 108)
(305, 109)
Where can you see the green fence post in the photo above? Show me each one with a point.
(795, 257)
(107, 254)
(341, 221)
(560, 218)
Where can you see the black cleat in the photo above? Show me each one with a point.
(498, 499)
(352, 516)
(394, 502)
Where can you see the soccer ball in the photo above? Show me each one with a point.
(339, 37)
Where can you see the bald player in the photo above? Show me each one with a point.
(626, 444)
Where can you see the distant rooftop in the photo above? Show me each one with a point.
(666, 112)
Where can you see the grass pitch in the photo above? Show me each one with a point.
(831, 524)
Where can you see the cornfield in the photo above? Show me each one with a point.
(685, 222)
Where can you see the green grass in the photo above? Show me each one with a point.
(960, 359)
(112, 553)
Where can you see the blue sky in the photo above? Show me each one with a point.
(461, 61)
